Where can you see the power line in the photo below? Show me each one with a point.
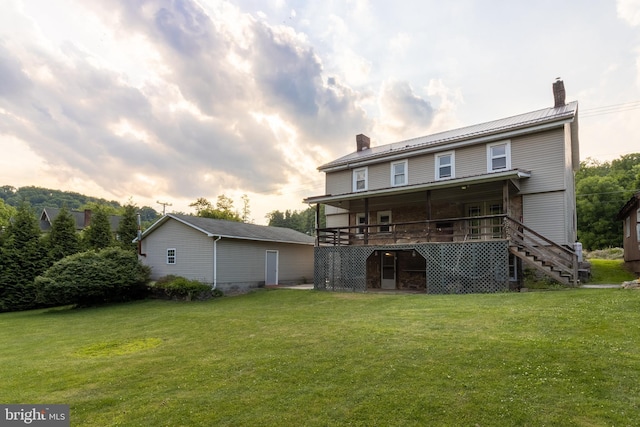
(609, 109)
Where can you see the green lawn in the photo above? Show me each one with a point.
(293, 358)
(609, 271)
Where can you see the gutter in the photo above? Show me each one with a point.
(215, 261)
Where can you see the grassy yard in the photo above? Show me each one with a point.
(609, 271)
(293, 358)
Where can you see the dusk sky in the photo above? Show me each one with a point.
(172, 100)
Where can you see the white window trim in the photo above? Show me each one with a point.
(381, 224)
(366, 179)
(175, 253)
(406, 173)
(627, 226)
(360, 215)
(507, 143)
(438, 166)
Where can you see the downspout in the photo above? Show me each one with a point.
(215, 262)
(140, 237)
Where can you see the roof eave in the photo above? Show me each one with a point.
(455, 182)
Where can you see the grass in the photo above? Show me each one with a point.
(289, 357)
(609, 271)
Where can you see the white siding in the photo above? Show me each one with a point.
(545, 213)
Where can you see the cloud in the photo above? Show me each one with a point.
(404, 114)
(196, 125)
(629, 11)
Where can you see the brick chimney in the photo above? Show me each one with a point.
(363, 142)
(87, 217)
(558, 93)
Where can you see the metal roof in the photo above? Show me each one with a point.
(235, 230)
(495, 127)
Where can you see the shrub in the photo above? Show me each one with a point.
(89, 278)
(176, 287)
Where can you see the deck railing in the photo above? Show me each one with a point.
(524, 242)
(486, 227)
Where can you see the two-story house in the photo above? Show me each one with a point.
(454, 212)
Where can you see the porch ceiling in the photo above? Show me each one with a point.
(335, 199)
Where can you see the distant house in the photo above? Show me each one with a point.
(226, 254)
(454, 212)
(630, 216)
(82, 219)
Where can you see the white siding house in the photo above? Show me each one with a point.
(226, 254)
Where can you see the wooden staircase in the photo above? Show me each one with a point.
(557, 262)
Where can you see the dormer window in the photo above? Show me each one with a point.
(445, 165)
(499, 156)
(360, 179)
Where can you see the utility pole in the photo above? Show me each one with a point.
(164, 206)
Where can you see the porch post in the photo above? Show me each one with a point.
(366, 221)
(428, 215)
(505, 198)
(505, 206)
(317, 224)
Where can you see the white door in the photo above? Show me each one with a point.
(388, 273)
(271, 269)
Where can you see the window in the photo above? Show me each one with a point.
(361, 219)
(399, 173)
(445, 165)
(384, 219)
(360, 179)
(499, 156)
(627, 227)
(171, 256)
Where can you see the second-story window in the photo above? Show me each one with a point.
(360, 179)
(499, 156)
(445, 165)
(399, 173)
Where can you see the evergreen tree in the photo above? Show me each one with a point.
(98, 234)
(128, 227)
(62, 239)
(22, 258)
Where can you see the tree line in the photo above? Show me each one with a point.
(26, 253)
(602, 189)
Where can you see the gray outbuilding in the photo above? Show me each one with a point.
(231, 256)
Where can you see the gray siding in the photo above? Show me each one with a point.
(544, 155)
(544, 213)
(194, 252)
(244, 261)
(240, 263)
(336, 217)
(471, 161)
(379, 176)
(339, 182)
(421, 169)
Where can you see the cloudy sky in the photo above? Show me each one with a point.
(172, 100)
